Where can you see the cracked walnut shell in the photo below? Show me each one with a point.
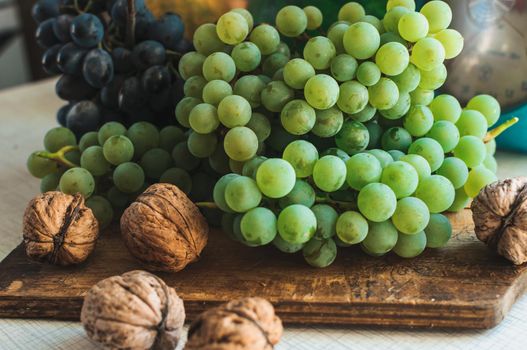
(59, 228)
(164, 229)
(243, 324)
(500, 218)
(136, 310)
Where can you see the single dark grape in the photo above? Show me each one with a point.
(49, 60)
(168, 30)
(83, 116)
(131, 96)
(110, 92)
(143, 21)
(72, 88)
(62, 113)
(122, 59)
(184, 45)
(45, 9)
(155, 79)
(97, 68)
(61, 27)
(147, 54)
(87, 30)
(44, 34)
(70, 58)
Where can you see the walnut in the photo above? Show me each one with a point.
(136, 310)
(244, 324)
(59, 228)
(500, 218)
(164, 229)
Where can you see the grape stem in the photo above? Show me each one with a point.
(59, 156)
(130, 24)
(209, 205)
(500, 129)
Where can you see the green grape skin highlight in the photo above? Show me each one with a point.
(478, 178)
(240, 143)
(363, 169)
(401, 177)
(242, 194)
(118, 149)
(384, 94)
(291, 21)
(321, 91)
(234, 111)
(452, 41)
(438, 231)
(219, 66)
(438, 14)
(486, 105)
(314, 17)
(329, 173)
(413, 26)
(59, 137)
(93, 160)
(437, 192)
(326, 221)
(298, 117)
(427, 54)
(471, 150)
(368, 73)
(303, 156)
(258, 226)
(377, 202)
(232, 28)
(319, 51)
(353, 97)
(266, 37)
(429, 149)
(446, 107)
(361, 40)
(455, 170)
(392, 58)
(297, 224)
(351, 227)
(472, 123)
(351, 12)
(77, 180)
(381, 238)
(297, 72)
(203, 118)
(411, 216)
(302, 193)
(328, 122)
(353, 137)
(275, 178)
(247, 15)
(178, 177)
(410, 246)
(101, 209)
(320, 253)
(191, 64)
(392, 17)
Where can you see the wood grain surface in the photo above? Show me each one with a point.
(463, 285)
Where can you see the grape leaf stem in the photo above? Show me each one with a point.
(59, 156)
(497, 131)
(130, 24)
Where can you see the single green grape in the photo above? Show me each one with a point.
(155, 162)
(193, 86)
(384, 94)
(367, 114)
(40, 166)
(183, 158)
(452, 41)
(250, 167)
(206, 40)
(396, 138)
(377, 202)
(118, 149)
(144, 136)
(202, 145)
(328, 122)
(434, 78)
(353, 97)
(242, 194)
(319, 51)
(298, 117)
(118, 199)
(320, 253)
(351, 12)
(461, 201)
(249, 87)
(363, 169)
(93, 160)
(353, 137)
(321, 91)
(191, 64)
(368, 73)
(438, 14)
(455, 170)
(343, 67)
(411, 216)
(438, 231)
(203, 118)
(401, 107)
(392, 18)
(326, 221)
(291, 21)
(471, 150)
(473, 123)
(261, 126)
(59, 137)
(409, 79)
(77, 180)
(101, 209)
(302, 193)
(297, 72)
(437, 192)
(91, 138)
(234, 111)
(240, 143)
(275, 178)
(329, 173)
(128, 177)
(178, 177)
(446, 107)
(392, 58)
(336, 35)
(218, 194)
(266, 37)
(276, 94)
(410, 246)
(183, 109)
(297, 224)
(478, 178)
(381, 238)
(303, 156)
(314, 17)
(427, 53)
(361, 40)
(401, 177)
(351, 227)
(486, 105)
(446, 133)
(258, 226)
(215, 91)
(382, 156)
(286, 247)
(419, 120)
(220, 66)
(170, 136)
(421, 96)
(413, 26)
(429, 149)
(232, 28)
(50, 182)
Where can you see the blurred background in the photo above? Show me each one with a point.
(494, 59)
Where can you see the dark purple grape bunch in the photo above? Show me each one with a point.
(116, 62)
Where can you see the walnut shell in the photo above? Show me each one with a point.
(244, 324)
(164, 229)
(136, 310)
(500, 218)
(59, 228)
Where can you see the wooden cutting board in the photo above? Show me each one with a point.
(463, 285)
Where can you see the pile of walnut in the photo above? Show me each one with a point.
(163, 229)
(137, 310)
(500, 218)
